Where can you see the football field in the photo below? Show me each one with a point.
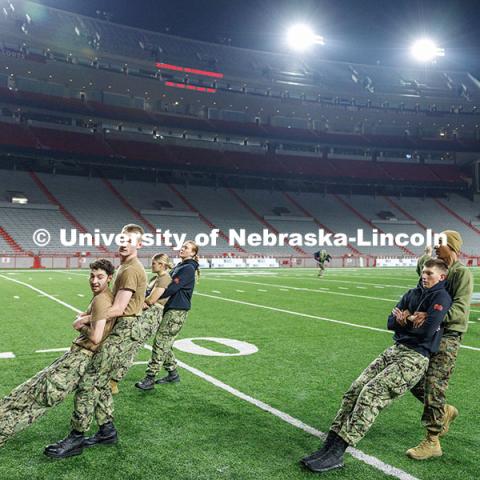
(248, 409)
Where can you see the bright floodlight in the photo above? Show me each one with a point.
(425, 50)
(301, 37)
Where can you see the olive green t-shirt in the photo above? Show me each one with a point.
(131, 276)
(160, 281)
(98, 310)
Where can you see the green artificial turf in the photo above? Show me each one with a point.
(196, 430)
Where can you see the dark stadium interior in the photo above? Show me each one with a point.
(90, 98)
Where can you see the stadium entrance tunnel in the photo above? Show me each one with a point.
(241, 348)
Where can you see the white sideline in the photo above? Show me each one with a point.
(359, 455)
(308, 315)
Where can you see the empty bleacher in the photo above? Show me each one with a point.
(194, 209)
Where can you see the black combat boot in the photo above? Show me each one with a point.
(319, 453)
(68, 447)
(332, 460)
(148, 383)
(106, 435)
(172, 377)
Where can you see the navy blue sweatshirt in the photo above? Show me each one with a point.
(435, 301)
(181, 289)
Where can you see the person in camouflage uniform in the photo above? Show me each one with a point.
(130, 328)
(152, 309)
(321, 257)
(394, 372)
(29, 401)
(431, 390)
(175, 314)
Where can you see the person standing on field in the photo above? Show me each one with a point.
(431, 389)
(175, 314)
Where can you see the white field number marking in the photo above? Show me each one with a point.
(188, 345)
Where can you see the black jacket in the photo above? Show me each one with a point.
(425, 339)
(181, 289)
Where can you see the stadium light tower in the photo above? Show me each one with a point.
(301, 37)
(425, 50)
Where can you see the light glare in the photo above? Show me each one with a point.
(300, 37)
(425, 50)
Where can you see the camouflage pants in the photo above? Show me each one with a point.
(115, 355)
(152, 318)
(30, 400)
(162, 352)
(431, 389)
(388, 377)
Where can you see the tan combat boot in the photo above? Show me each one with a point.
(451, 413)
(114, 387)
(428, 448)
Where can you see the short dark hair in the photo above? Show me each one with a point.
(103, 264)
(436, 262)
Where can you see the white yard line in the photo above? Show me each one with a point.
(319, 290)
(316, 290)
(359, 455)
(45, 294)
(53, 350)
(325, 279)
(7, 355)
(266, 307)
(298, 314)
(307, 315)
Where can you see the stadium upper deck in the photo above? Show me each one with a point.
(36, 28)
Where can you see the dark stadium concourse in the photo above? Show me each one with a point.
(271, 134)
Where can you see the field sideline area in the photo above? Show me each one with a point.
(246, 416)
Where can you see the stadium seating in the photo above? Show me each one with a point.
(95, 206)
(430, 214)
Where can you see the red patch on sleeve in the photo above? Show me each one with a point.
(438, 307)
(176, 280)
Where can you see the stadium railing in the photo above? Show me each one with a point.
(78, 261)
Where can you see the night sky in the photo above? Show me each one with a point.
(367, 31)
